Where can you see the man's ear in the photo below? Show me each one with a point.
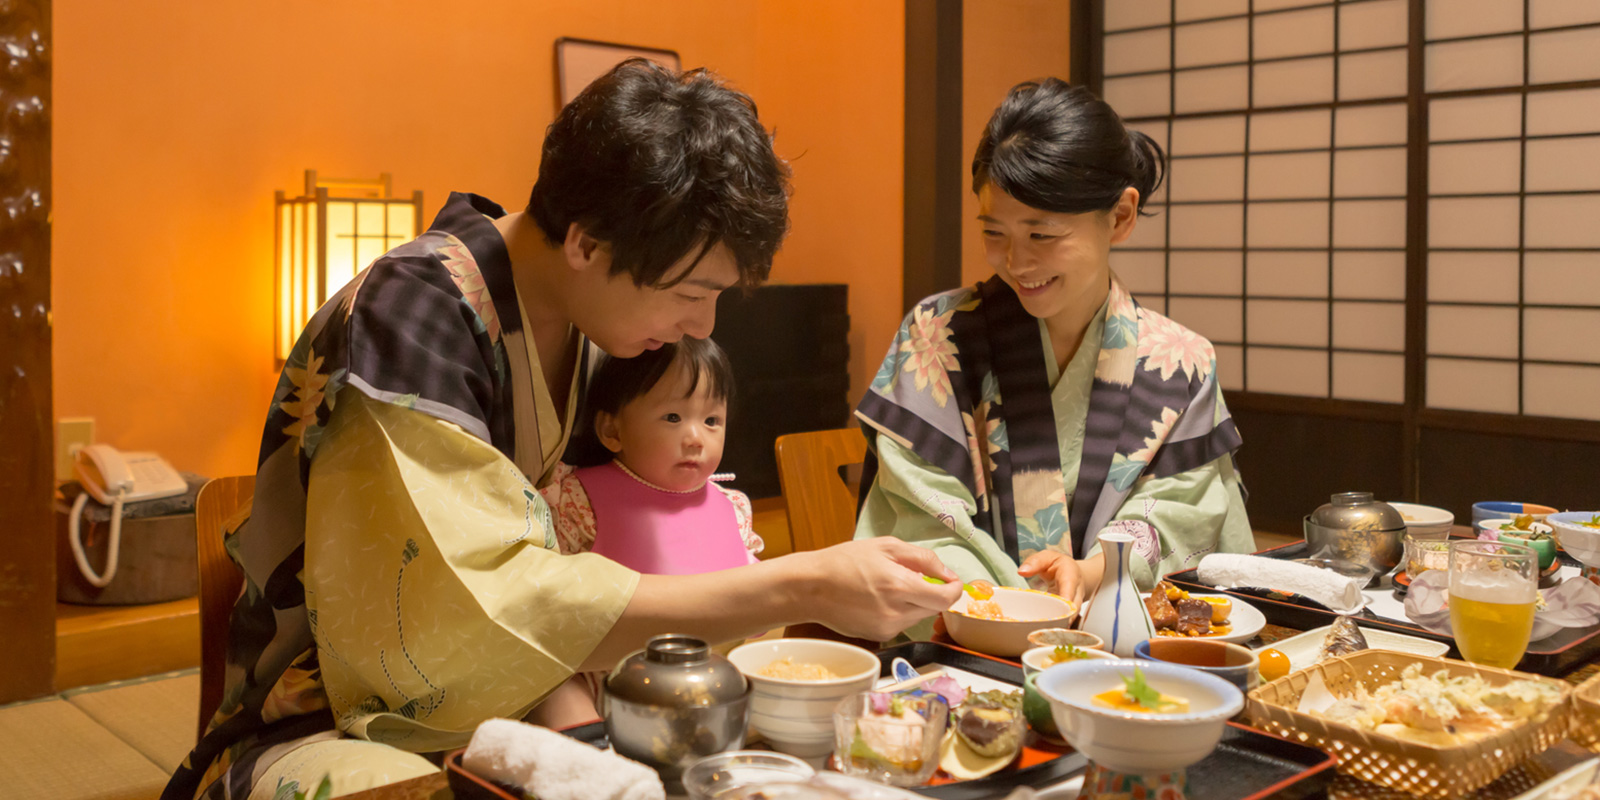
(584, 251)
(606, 430)
(1124, 215)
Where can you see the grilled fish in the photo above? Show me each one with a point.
(1343, 639)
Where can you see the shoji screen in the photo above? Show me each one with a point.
(1513, 297)
(1281, 235)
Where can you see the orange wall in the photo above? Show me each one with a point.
(1005, 42)
(175, 121)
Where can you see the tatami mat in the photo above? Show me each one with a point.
(52, 750)
(155, 716)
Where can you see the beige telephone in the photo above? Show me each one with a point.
(115, 478)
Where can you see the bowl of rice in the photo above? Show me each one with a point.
(1000, 625)
(796, 684)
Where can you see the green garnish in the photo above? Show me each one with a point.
(1594, 522)
(1066, 652)
(1140, 692)
(860, 749)
(897, 707)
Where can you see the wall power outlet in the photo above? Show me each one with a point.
(72, 434)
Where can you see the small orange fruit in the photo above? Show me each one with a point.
(1274, 664)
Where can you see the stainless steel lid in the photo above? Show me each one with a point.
(676, 671)
(1357, 511)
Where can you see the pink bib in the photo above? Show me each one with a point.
(660, 532)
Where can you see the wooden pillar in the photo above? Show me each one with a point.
(27, 465)
(935, 174)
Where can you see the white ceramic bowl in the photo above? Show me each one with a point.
(1126, 741)
(1030, 609)
(796, 717)
(1580, 542)
(1038, 659)
(1424, 520)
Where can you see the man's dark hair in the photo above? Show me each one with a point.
(1059, 148)
(660, 165)
(619, 381)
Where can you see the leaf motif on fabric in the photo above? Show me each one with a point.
(1034, 490)
(990, 390)
(463, 269)
(308, 385)
(889, 370)
(1124, 471)
(1159, 429)
(1053, 524)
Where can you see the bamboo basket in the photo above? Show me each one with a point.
(1586, 714)
(1419, 769)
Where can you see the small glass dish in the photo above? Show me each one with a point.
(1425, 554)
(890, 739)
(723, 774)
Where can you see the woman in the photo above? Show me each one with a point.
(1014, 420)
(402, 578)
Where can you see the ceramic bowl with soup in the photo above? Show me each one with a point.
(796, 683)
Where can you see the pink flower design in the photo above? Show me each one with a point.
(1167, 346)
(932, 354)
(464, 271)
(1146, 544)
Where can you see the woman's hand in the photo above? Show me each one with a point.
(874, 588)
(1072, 579)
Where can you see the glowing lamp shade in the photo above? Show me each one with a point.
(326, 236)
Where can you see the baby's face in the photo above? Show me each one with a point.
(669, 439)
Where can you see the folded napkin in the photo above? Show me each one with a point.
(1575, 603)
(551, 766)
(1230, 570)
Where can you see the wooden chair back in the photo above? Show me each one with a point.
(821, 506)
(220, 582)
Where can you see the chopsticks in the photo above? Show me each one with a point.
(911, 682)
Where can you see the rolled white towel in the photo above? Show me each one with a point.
(1228, 570)
(551, 766)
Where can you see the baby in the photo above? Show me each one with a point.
(658, 422)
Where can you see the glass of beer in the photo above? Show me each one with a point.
(1493, 589)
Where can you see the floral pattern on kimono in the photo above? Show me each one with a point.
(964, 386)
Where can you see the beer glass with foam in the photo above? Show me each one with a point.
(1493, 590)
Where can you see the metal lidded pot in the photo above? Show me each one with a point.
(1358, 531)
(673, 703)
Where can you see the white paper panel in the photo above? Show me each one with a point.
(1369, 275)
(1472, 222)
(1296, 322)
(1137, 13)
(1570, 111)
(1370, 326)
(1288, 225)
(1193, 272)
(1140, 270)
(1144, 96)
(1472, 277)
(1365, 76)
(1216, 89)
(1562, 278)
(1208, 226)
(1299, 372)
(1289, 130)
(1230, 367)
(1562, 221)
(1140, 51)
(1475, 64)
(1149, 232)
(1376, 24)
(1556, 165)
(1472, 331)
(1296, 33)
(1450, 18)
(1288, 274)
(1366, 125)
(1219, 178)
(1370, 173)
(1366, 376)
(1154, 302)
(1472, 385)
(1493, 117)
(1564, 56)
(1217, 320)
(1369, 223)
(1287, 83)
(1554, 13)
(1222, 42)
(1191, 137)
(1561, 391)
(1289, 175)
(1474, 168)
(1561, 334)
(1206, 9)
